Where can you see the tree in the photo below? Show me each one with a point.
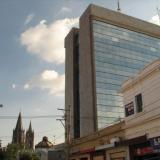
(25, 156)
(28, 156)
(35, 157)
(12, 151)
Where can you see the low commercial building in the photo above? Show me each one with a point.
(104, 144)
(142, 113)
(138, 136)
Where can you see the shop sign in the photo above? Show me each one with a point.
(105, 146)
(155, 143)
(129, 109)
(88, 150)
(143, 151)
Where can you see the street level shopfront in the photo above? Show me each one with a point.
(148, 150)
(100, 145)
(142, 113)
(88, 154)
(115, 153)
(141, 148)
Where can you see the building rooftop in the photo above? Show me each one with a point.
(121, 20)
(44, 143)
(146, 71)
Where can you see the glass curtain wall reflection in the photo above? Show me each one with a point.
(119, 53)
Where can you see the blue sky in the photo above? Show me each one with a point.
(32, 57)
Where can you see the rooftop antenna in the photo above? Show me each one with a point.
(118, 6)
(158, 12)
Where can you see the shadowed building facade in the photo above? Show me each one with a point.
(72, 101)
(112, 47)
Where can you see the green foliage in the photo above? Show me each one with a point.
(12, 150)
(25, 156)
(28, 156)
(35, 157)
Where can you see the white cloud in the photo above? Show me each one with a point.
(47, 40)
(48, 80)
(43, 21)
(26, 86)
(65, 9)
(155, 19)
(13, 86)
(29, 18)
(49, 75)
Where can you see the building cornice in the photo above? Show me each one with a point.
(110, 130)
(145, 72)
(122, 20)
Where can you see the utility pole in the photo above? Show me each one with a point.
(65, 121)
(158, 12)
(118, 6)
(54, 139)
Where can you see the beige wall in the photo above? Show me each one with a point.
(148, 121)
(116, 153)
(99, 138)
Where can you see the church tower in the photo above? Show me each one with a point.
(30, 137)
(18, 132)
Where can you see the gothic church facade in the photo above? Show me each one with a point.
(19, 136)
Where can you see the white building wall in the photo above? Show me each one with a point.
(148, 121)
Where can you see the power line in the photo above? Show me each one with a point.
(34, 117)
(9, 137)
(31, 117)
(158, 12)
(60, 136)
(49, 116)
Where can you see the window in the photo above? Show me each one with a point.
(129, 109)
(139, 103)
(118, 54)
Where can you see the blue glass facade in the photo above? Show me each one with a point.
(119, 53)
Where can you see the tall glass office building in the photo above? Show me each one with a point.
(107, 48)
(119, 53)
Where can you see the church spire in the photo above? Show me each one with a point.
(30, 137)
(19, 123)
(18, 132)
(30, 127)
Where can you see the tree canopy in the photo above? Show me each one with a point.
(28, 156)
(14, 151)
